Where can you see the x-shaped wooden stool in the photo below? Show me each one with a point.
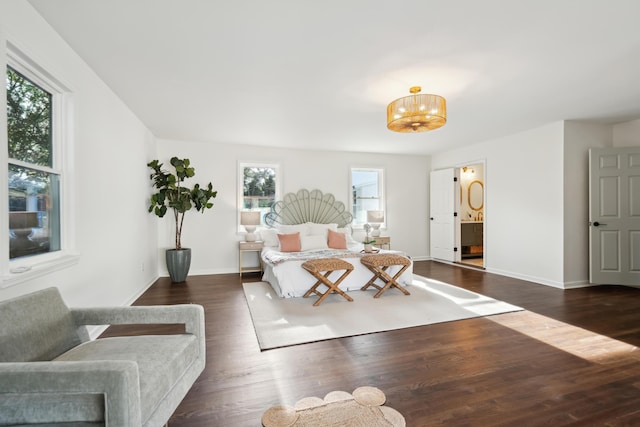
(378, 264)
(328, 265)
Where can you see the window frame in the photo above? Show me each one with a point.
(357, 225)
(239, 204)
(14, 271)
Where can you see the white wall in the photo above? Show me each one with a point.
(537, 196)
(627, 134)
(115, 235)
(213, 236)
(524, 201)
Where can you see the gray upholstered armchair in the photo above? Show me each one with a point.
(52, 373)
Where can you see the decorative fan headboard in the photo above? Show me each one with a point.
(308, 206)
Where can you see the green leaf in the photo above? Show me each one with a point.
(171, 194)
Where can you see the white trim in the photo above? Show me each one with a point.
(577, 284)
(4, 165)
(37, 269)
(34, 166)
(13, 272)
(23, 63)
(534, 280)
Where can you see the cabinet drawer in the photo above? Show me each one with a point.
(251, 245)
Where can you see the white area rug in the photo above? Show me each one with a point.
(282, 322)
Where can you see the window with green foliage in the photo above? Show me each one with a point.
(34, 180)
(260, 187)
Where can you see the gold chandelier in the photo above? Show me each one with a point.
(417, 112)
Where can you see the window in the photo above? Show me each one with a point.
(35, 144)
(367, 193)
(260, 187)
(34, 203)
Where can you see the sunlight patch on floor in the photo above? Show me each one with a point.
(571, 339)
(471, 301)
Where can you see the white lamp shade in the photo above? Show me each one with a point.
(250, 218)
(375, 216)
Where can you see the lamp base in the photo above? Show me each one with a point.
(251, 235)
(376, 230)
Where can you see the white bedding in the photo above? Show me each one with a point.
(283, 270)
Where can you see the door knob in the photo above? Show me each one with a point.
(597, 224)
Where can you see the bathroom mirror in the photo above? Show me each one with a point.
(476, 195)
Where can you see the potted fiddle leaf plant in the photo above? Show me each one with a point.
(172, 195)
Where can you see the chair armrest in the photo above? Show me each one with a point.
(116, 379)
(191, 315)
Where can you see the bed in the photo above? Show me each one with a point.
(315, 217)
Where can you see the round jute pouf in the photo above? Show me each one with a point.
(279, 416)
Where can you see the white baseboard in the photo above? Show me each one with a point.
(528, 278)
(578, 284)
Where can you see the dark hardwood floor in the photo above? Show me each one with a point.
(568, 359)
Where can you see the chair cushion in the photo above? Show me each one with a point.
(162, 360)
(36, 327)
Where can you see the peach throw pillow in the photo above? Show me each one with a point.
(337, 240)
(290, 242)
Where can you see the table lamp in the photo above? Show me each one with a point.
(375, 218)
(250, 219)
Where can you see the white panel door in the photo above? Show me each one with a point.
(614, 216)
(444, 186)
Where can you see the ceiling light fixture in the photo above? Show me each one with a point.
(417, 112)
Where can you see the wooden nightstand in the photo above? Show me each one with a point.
(250, 247)
(382, 241)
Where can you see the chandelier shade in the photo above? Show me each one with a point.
(417, 112)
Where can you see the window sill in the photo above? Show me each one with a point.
(37, 269)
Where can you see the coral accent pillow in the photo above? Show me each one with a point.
(289, 242)
(337, 240)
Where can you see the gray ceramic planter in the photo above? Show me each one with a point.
(178, 263)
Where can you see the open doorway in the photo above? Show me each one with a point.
(472, 215)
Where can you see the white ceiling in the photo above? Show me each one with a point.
(319, 74)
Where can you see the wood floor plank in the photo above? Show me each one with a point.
(569, 359)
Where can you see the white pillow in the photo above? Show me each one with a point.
(270, 237)
(292, 229)
(348, 231)
(314, 229)
(309, 243)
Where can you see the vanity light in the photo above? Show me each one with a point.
(466, 169)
